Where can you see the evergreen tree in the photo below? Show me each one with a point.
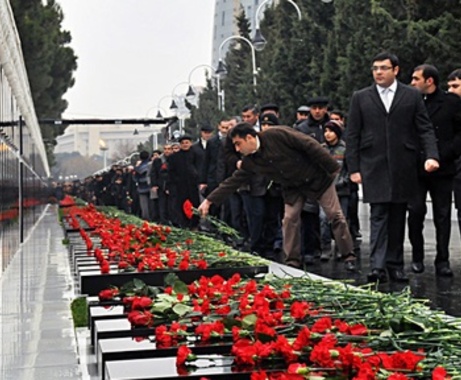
(329, 51)
(207, 110)
(238, 84)
(50, 62)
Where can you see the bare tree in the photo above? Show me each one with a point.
(123, 149)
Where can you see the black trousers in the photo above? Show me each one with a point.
(440, 191)
(387, 234)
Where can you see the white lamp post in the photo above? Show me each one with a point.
(259, 42)
(178, 104)
(221, 70)
(191, 92)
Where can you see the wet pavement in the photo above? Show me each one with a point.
(443, 293)
(37, 337)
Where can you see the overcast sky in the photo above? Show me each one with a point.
(131, 53)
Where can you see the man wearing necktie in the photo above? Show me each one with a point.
(385, 134)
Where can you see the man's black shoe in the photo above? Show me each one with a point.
(417, 267)
(350, 265)
(309, 260)
(377, 275)
(444, 272)
(398, 275)
(293, 264)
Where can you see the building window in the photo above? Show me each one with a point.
(223, 18)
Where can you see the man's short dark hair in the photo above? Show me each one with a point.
(455, 74)
(237, 118)
(251, 107)
(386, 55)
(429, 71)
(242, 130)
(338, 112)
(144, 155)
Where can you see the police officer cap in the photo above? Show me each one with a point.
(303, 109)
(185, 137)
(206, 127)
(269, 107)
(318, 101)
(269, 118)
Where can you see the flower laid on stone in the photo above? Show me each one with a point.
(310, 328)
(135, 245)
(275, 328)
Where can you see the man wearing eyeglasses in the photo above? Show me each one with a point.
(388, 126)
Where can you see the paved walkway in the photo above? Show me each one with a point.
(38, 340)
(37, 334)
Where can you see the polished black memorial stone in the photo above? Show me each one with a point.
(84, 267)
(116, 328)
(92, 282)
(131, 348)
(165, 368)
(96, 313)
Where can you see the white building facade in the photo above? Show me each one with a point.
(89, 140)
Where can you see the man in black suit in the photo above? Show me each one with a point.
(388, 125)
(209, 171)
(445, 113)
(206, 132)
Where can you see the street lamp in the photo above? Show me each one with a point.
(191, 93)
(103, 147)
(259, 42)
(221, 70)
(159, 112)
(179, 105)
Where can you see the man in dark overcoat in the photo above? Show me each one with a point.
(209, 171)
(388, 124)
(445, 113)
(183, 181)
(303, 168)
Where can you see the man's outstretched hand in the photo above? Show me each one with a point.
(204, 208)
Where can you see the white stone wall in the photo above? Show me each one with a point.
(12, 62)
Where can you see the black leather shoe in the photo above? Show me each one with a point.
(294, 264)
(444, 272)
(350, 265)
(417, 267)
(377, 275)
(309, 260)
(398, 275)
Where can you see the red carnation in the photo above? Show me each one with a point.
(184, 354)
(440, 373)
(187, 208)
(105, 266)
(107, 294)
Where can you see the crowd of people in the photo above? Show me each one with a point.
(292, 191)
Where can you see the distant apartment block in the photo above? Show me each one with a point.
(225, 24)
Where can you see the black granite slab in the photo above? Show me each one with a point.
(130, 348)
(116, 328)
(165, 369)
(92, 282)
(96, 313)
